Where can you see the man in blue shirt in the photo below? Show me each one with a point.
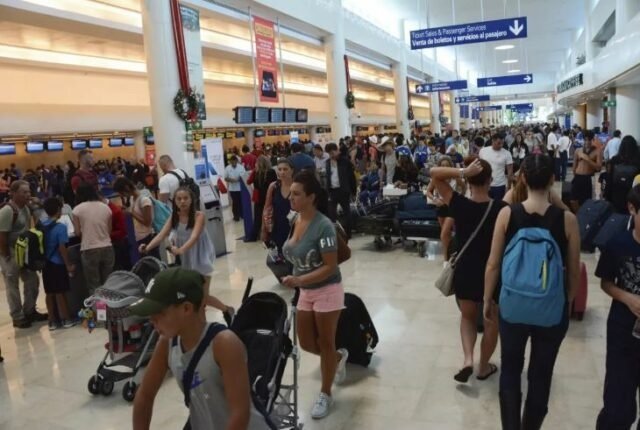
(301, 160)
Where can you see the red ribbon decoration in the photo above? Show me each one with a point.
(346, 69)
(178, 39)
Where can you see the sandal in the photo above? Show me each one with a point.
(464, 374)
(493, 369)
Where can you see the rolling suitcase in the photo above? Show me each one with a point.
(614, 225)
(356, 331)
(566, 193)
(591, 216)
(579, 305)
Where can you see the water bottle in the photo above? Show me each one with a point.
(636, 329)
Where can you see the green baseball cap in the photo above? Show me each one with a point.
(169, 287)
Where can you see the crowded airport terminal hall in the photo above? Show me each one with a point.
(319, 214)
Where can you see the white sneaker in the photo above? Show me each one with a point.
(341, 371)
(321, 407)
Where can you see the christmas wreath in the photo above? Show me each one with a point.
(186, 105)
(351, 100)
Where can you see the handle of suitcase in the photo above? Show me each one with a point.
(247, 290)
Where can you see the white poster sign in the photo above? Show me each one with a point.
(213, 152)
(293, 136)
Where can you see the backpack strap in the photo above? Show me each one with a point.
(203, 346)
(180, 179)
(16, 212)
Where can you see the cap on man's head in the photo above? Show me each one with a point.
(169, 287)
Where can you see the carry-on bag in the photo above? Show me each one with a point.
(356, 332)
(591, 216)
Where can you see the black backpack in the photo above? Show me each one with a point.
(188, 182)
(621, 182)
(356, 332)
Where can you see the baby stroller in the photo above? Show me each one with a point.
(263, 324)
(131, 339)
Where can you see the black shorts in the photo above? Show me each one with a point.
(581, 188)
(55, 278)
(443, 211)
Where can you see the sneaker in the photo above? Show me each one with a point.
(23, 323)
(341, 371)
(321, 407)
(69, 323)
(229, 315)
(53, 326)
(37, 317)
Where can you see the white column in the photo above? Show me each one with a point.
(138, 141)
(334, 49)
(613, 111)
(164, 82)
(399, 70)
(576, 117)
(250, 136)
(625, 10)
(628, 110)
(455, 112)
(435, 113)
(588, 36)
(594, 114)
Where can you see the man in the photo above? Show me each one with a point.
(170, 180)
(85, 174)
(613, 146)
(15, 218)
(341, 184)
(233, 174)
(218, 389)
(564, 143)
(248, 159)
(501, 161)
(300, 160)
(320, 158)
(587, 161)
(140, 172)
(421, 153)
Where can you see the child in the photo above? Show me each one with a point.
(190, 243)
(618, 270)
(217, 391)
(58, 268)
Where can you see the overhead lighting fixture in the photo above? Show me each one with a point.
(504, 47)
(514, 71)
(509, 61)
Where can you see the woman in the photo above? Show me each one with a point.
(535, 211)
(275, 223)
(519, 194)
(620, 173)
(468, 278)
(261, 178)
(92, 222)
(406, 174)
(141, 210)
(389, 160)
(444, 219)
(312, 249)
(519, 151)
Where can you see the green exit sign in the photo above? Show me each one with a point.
(609, 103)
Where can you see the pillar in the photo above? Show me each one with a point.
(613, 111)
(249, 134)
(625, 11)
(594, 114)
(455, 112)
(628, 110)
(164, 83)
(576, 117)
(588, 36)
(435, 113)
(139, 144)
(399, 70)
(334, 49)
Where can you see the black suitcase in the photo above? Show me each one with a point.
(356, 332)
(417, 228)
(614, 225)
(566, 193)
(591, 216)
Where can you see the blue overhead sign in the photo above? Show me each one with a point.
(488, 108)
(497, 81)
(441, 86)
(520, 107)
(475, 32)
(473, 99)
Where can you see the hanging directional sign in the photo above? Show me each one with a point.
(473, 99)
(441, 86)
(475, 32)
(520, 107)
(497, 81)
(488, 108)
(475, 114)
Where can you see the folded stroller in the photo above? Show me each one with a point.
(263, 324)
(131, 339)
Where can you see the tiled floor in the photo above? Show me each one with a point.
(408, 386)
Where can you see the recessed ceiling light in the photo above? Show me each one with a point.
(504, 47)
(514, 71)
(509, 61)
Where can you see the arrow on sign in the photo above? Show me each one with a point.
(516, 28)
(528, 77)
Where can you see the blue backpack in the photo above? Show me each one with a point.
(533, 289)
(161, 212)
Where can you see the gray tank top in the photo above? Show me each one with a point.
(208, 408)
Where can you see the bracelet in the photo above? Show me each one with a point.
(461, 173)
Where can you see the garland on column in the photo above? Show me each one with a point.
(350, 99)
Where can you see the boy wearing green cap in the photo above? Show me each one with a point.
(208, 360)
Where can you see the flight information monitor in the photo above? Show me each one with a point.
(243, 115)
(276, 115)
(290, 115)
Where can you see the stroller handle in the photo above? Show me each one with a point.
(247, 290)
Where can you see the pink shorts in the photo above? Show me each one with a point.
(324, 299)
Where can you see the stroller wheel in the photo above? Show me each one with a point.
(95, 385)
(129, 391)
(107, 387)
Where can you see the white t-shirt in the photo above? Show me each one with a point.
(499, 161)
(168, 183)
(140, 229)
(552, 143)
(563, 144)
(231, 173)
(335, 178)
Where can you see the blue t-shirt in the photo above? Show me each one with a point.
(620, 263)
(105, 182)
(302, 161)
(421, 155)
(403, 150)
(53, 238)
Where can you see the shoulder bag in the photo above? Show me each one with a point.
(444, 283)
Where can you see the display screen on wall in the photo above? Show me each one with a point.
(259, 133)
(7, 149)
(149, 140)
(239, 134)
(54, 146)
(243, 115)
(302, 115)
(78, 144)
(276, 115)
(114, 142)
(261, 115)
(97, 143)
(289, 115)
(35, 147)
(129, 141)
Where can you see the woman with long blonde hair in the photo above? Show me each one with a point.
(260, 178)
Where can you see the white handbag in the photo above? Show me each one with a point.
(444, 283)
